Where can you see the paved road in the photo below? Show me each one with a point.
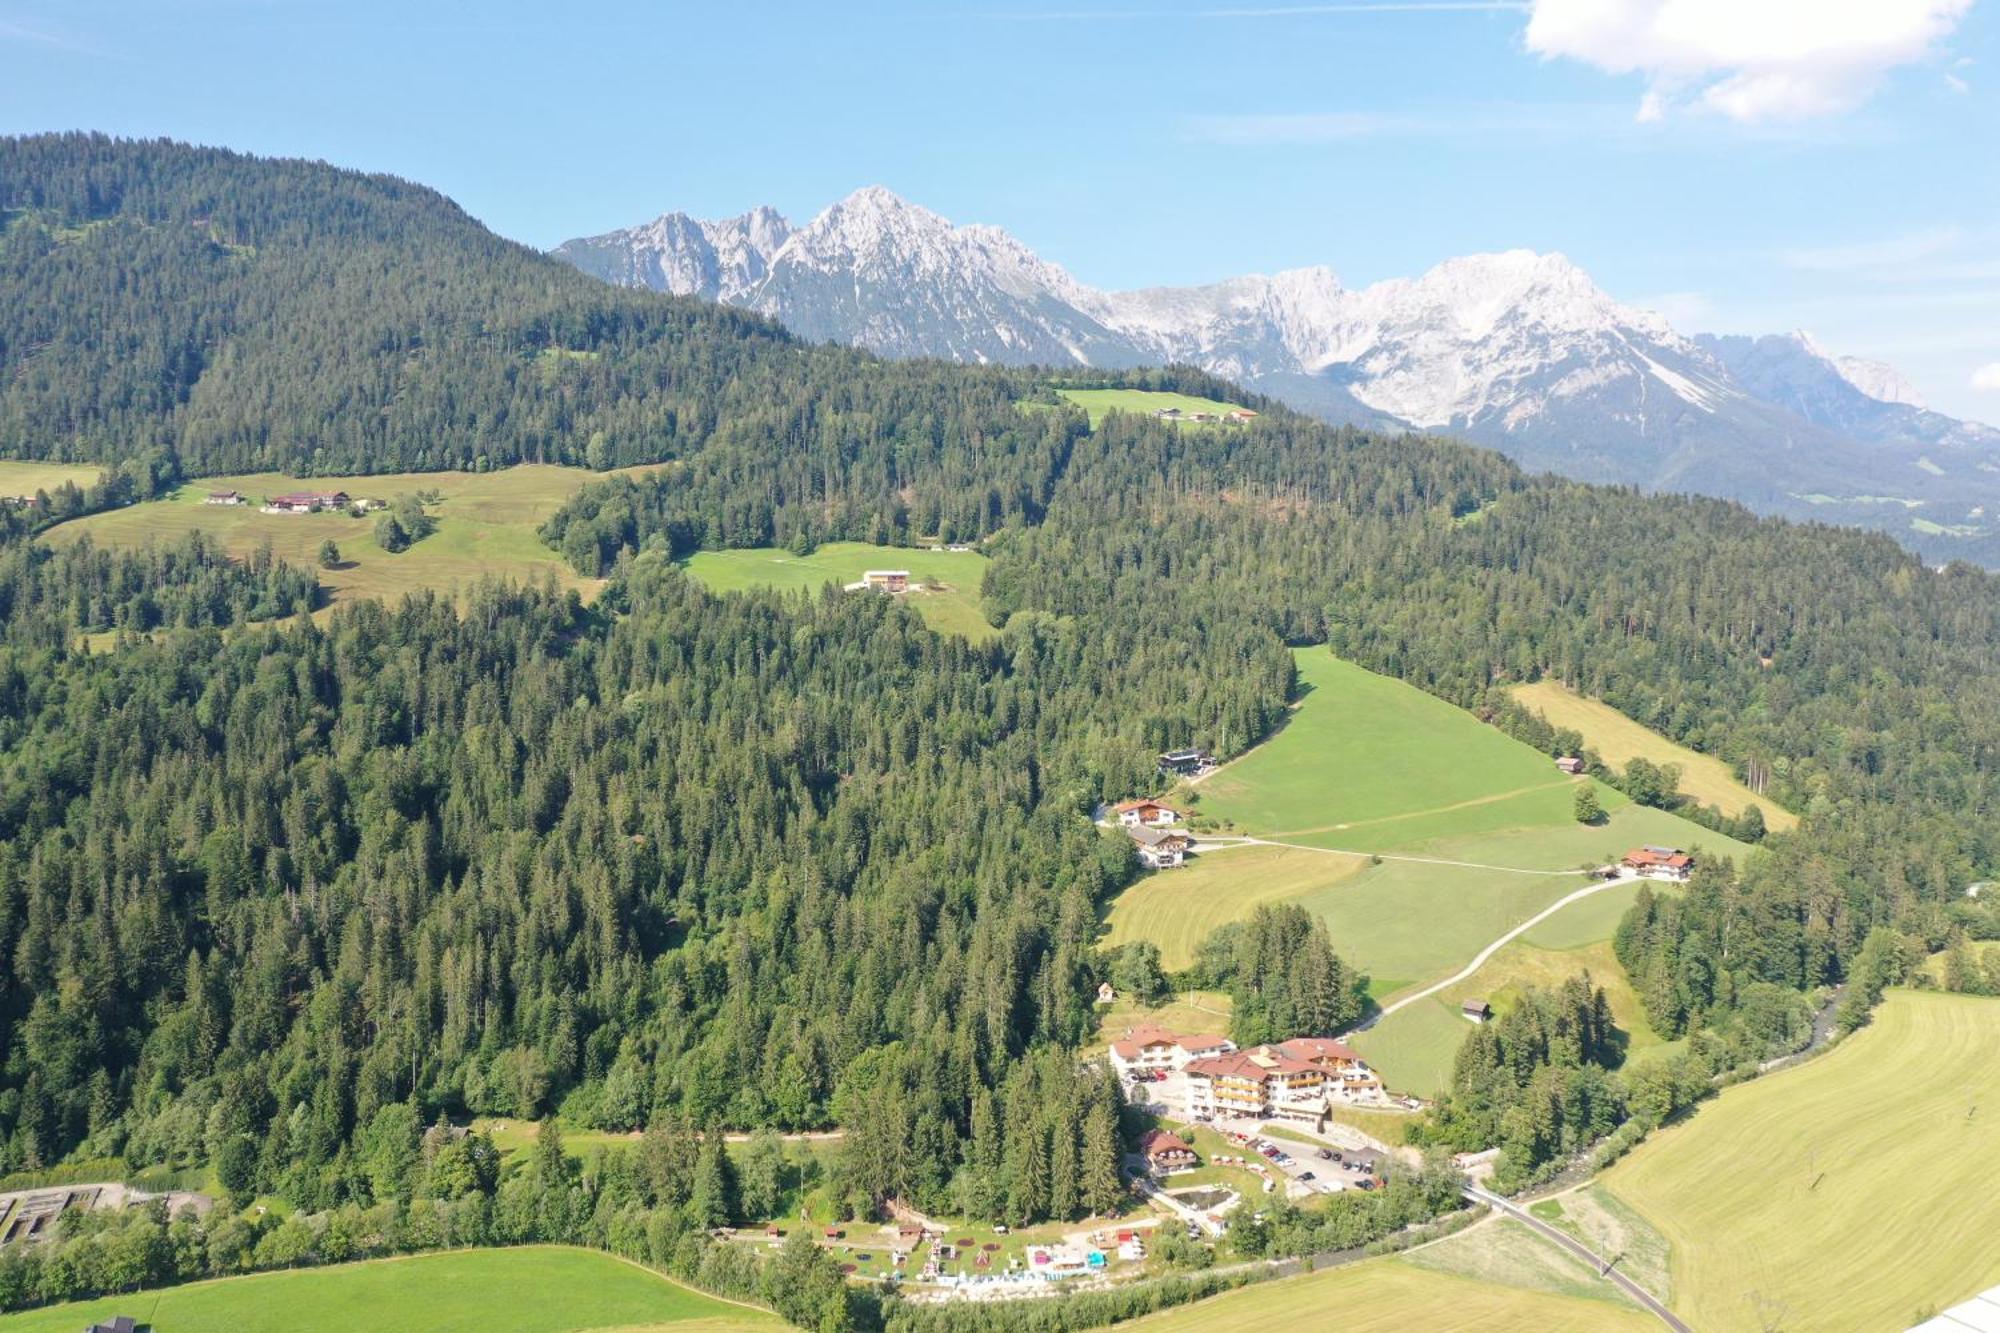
(1581, 1251)
(1495, 947)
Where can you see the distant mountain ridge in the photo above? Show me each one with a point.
(1519, 351)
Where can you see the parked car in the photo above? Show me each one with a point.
(1305, 1175)
(1364, 1184)
(1328, 1155)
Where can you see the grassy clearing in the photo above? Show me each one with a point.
(1876, 1159)
(533, 1289)
(1415, 1047)
(1178, 909)
(1506, 1252)
(1362, 751)
(1190, 1011)
(1099, 402)
(1611, 1228)
(1393, 1296)
(950, 607)
(25, 479)
(486, 526)
(1436, 835)
(1619, 739)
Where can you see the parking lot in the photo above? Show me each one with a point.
(1323, 1169)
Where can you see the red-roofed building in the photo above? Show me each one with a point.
(1150, 814)
(1348, 1074)
(1262, 1083)
(1660, 863)
(1148, 1047)
(1165, 1153)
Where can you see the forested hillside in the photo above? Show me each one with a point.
(749, 860)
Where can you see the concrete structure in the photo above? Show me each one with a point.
(1981, 1314)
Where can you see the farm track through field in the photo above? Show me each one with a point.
(1492, 799)
(1420, 860)
(1606, 1269)
(1484, 954)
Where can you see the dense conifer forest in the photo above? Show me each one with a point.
(755, 861)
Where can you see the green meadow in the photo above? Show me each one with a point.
(1368, 756)
(1420, 835)
(944, 585)
(486, 526)
(24, 479)
(532, 1289)
(1100, 402)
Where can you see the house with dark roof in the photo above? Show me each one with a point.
(1159, 849)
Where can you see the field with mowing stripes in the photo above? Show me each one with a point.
(487, 525)
(1420, 835)
(533, 1289)
(1383, 764)
(1619, 740)
(952, 607)
(1851, 1192)
(1178, 910)
(1395, 1296)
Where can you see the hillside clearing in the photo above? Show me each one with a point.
(1178, 909)
(1414, 1047)
(944, 584)
(532, 1289)
(1393, 1296)
(24, 479)
(1437, 835)
(1362, 751)
(1620, 740)
(486, 526)
(1099, 402)
(1877, 1158)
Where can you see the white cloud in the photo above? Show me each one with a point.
(1750, 60)
(1986, 379)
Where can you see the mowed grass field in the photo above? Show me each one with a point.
(532, 1289)
(1420, 835)
(1414, 1047)
(1381, 764)
(1394, 1296)
(1848, 1193)
(487, 525)
(1145, 402)
(1179, 909)
(1620, 740)
(26, 478)
(951, 608)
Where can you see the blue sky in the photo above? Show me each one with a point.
(1744, 171)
